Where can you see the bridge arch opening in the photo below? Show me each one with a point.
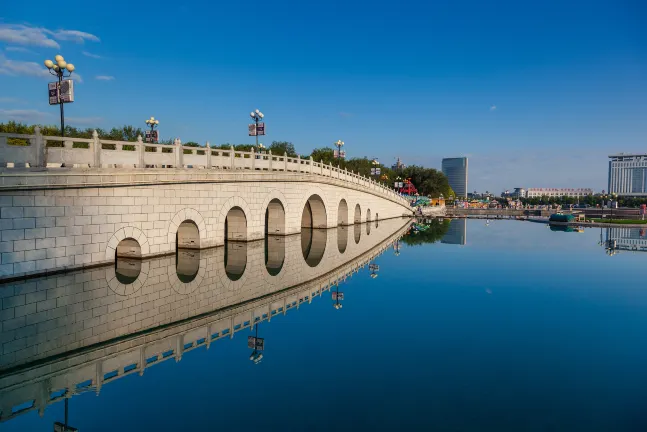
(129, 248)
(342, 239)
(342, 213)
(368, 215)
(187, 264)
(235, 259)
(187, 235)
(314, 213)
(275, 218)
(313, 245)
(357, 232)
(274, 254)
(358, 214)
(235, 225)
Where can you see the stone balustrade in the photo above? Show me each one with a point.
(39, 151)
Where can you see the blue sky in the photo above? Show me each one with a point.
(537, 94)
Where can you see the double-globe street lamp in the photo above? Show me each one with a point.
(58, 68)
(257, 116)
(339, 144)
(152, 122)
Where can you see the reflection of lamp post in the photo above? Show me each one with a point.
(256, 116)
(58, 69)
(374, 268)
(258, 345)
(151, 122)
(63, 427)
(337, 296)
(396, 247)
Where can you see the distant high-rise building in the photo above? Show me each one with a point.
(455, 169)
(628, 174)
(398, 165)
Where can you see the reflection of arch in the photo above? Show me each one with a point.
(235, 225)
(187, 271)
(274, 218)
(235, 260)
(124, 289)
(314, 213)
(124, 233)
(272, 196)
(313, 245)
(222, 217)
(368, 215)
(358, 214)
(187, 214)
(274, 254)
(342, 213)
(342, 238)
(357, 232)
(368, 228)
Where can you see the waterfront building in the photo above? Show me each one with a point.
(515, 194)
(628, 174)
(558, 192)
(455, 169)
(627, 239)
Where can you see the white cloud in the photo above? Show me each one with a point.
(25, 115)
(19, 49)
(10, 100)
(21, 34)
(89, 54)
(83, 121)
(493, 108)
(105, 77)
(23, 68)
(73, 35)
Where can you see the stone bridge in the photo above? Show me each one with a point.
(77, 331)
(73, 203)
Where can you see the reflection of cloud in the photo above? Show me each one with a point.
(25, 115)
(105, 77)
(493, 108)
(84, 121)
(345, 114)
(37, 36)
(89, 54)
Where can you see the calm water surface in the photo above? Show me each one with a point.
(506, 327)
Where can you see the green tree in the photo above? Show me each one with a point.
(281, 147)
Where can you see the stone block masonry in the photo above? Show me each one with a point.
(65, 219)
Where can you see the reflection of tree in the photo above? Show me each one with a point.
(433, 232)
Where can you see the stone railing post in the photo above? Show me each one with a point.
(96, 149)
(269, 160)
(232, 157)
(285, 160)
(39, 148)
(311, 164)
(179, 154)
(253, 156)
(299, 163)
(141, 148)
(321, 164)
(208, 150)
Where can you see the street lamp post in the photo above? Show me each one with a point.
(151, 122)
(256, 116)
(339, 144)
(58, 69)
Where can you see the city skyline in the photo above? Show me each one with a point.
(531, 96)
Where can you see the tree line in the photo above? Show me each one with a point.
(428, 181)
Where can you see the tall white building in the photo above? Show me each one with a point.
(558, 192)
(628, 174)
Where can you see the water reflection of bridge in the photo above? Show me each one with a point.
(108, 324)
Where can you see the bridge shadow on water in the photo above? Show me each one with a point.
(108, 322)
